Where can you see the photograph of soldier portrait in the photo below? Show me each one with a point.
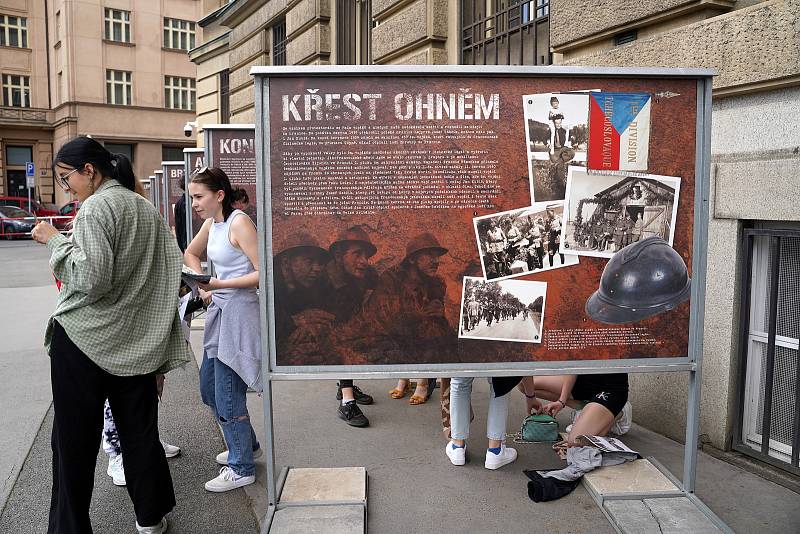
(555, 122)
(332, 307)
(510, 310)
(522, 241)
(607, 212)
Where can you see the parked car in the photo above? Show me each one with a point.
(70, 209)
(16, 222)
(22, 203)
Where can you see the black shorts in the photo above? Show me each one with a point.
(609, 390)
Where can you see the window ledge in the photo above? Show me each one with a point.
(9, 47)
(180, 50)
(118, 43)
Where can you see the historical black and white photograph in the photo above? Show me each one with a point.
(508, 310)
(555, 123)
(608, 211)
(548, 179)
(522, 241)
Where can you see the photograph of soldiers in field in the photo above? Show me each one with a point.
(606, 212)
(510, 310)
(522, 241)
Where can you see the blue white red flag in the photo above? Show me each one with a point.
(619, 131)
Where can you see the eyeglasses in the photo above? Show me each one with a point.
(64, 179)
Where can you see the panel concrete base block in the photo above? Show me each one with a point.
(340, 484)
(341, 519)
(669, 515)
(639, 476)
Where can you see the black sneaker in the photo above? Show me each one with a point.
(358, 395)
(352, 415)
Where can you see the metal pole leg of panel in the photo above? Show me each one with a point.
(692, 432)
(269, 453)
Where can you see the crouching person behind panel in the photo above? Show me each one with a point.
(232, 345)
(600, 401)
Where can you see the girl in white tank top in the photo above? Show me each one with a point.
(231, 356)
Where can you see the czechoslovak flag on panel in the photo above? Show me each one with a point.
(619, 131)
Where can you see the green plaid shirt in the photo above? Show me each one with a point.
(120, 276)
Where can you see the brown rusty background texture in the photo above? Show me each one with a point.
(672, 153)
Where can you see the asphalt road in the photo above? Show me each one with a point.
(518, 328)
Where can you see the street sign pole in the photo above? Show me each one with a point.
(30, 180)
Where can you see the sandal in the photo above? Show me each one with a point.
(416, 400)
(397, 393)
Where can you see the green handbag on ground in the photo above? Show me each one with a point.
(538, 428)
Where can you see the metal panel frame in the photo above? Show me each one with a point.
(166, 187)
(691, 363)
(187, 152)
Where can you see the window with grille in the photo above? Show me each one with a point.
(179, 34)
(16, 91)
(119, 87)
(118, 25)
(13, 31)
(279, 43)
(353, 28)
(224, 97)
(769, 419)
(179, 93)
(505, 32)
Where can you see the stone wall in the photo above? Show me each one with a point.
(748, 48)
(410, 31)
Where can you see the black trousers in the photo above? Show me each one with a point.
(80, 388)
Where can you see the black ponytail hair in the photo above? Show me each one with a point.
(215, 179)
(82, 150)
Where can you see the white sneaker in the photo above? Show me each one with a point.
(170, 451)
(228, 480)
(622, 424)
(160, 528)
(115, 470)
(222, 458)
(496, 461)
(458, 455)
(575, 415)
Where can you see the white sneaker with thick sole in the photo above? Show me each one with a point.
(622, 424)
(228, 480)
(496, 461)
(458, 455)
(160, 528)
(170, 451)
(575, 415)
(115, 470)
(222, 458)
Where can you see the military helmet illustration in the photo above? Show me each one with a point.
(643, 279)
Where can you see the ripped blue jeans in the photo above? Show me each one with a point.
(226, 393)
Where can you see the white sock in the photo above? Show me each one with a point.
(345, 401)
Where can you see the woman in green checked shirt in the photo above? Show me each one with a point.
(115, 326)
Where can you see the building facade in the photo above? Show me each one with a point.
(117, 70)
(753, 46)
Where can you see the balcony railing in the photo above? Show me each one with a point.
(23, 114)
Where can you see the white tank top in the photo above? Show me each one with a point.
(229, 261)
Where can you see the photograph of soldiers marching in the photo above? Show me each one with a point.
(606, 212)
(511, 310)
(557, 135)
(522, 241)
